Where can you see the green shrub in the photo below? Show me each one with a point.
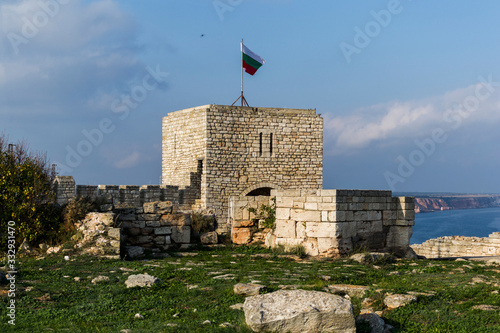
(26, 194)
(266, 213)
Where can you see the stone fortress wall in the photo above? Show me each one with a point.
(234, 150)
(223, 158)
(333, 222)
(459, 246)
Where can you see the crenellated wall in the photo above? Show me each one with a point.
(124, 195)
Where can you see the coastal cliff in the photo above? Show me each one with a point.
(431, 203)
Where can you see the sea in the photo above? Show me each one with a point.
(460, 222)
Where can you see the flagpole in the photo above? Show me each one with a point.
(242, 73)
(242, 98)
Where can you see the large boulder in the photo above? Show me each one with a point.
(299, 311)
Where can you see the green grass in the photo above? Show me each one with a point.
(57, 303)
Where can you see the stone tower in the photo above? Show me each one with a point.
(218, 151)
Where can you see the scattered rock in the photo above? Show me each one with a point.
(248, 289)
(227, 325)
(366, 258)
(100, 278)
(225, 277)
(349, 289)
(398, 300)
(138, 316)
(171, 325)
(377, 324)
(299, 311)
(53, 249)
(486, 307)
(43, 247)
(66, 258)
(207, 322)
(237, 306)
(209, 238)
(141, 280)
(28, 289)
(77, 279)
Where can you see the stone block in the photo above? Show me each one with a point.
(321, 229)
(243, 224)
(300, 230)
(114, 233)
(406, 214)
(369, 227)
(241, 236)
(159, 240)
(311, 206)
(282, 213)
(181, 234)
(347, 229)
(179, 219)
(361, 216)
(336, 216)
(404, 222)
(285, 202)
(163, 231)
(285, 229)
(311, 246)
(209, 238)
(152, 224)
(149, 217)
(305, 216)
(327, 206)
(399, 237)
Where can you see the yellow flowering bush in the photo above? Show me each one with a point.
(26, 195)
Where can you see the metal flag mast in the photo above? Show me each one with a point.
(242, 98)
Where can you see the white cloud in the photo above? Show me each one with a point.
(129, 161)
(81, 51)
(388, 123)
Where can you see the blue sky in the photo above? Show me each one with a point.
(408, 89)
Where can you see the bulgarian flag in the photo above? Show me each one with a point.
(250, 61)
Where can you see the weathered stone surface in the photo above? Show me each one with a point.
(100, 278)
(299, 311)
(175, 220)
(376, 323)
(134, 252)
(366, 258)
(243, 223)
(181, 234)
(241, 236)
(349, 289)
(209, 238)
(486, 307)
(248, 289)
(141, 280)
(114, 233)
(398, 300)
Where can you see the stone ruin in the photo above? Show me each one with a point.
(226, 159)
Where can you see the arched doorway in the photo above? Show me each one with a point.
(263, 188)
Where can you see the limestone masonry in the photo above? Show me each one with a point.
(231, 151)
(226, 159)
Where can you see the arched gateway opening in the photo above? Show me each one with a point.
(260, 189)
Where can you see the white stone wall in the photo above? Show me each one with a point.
(334, 222)
(459, 246)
